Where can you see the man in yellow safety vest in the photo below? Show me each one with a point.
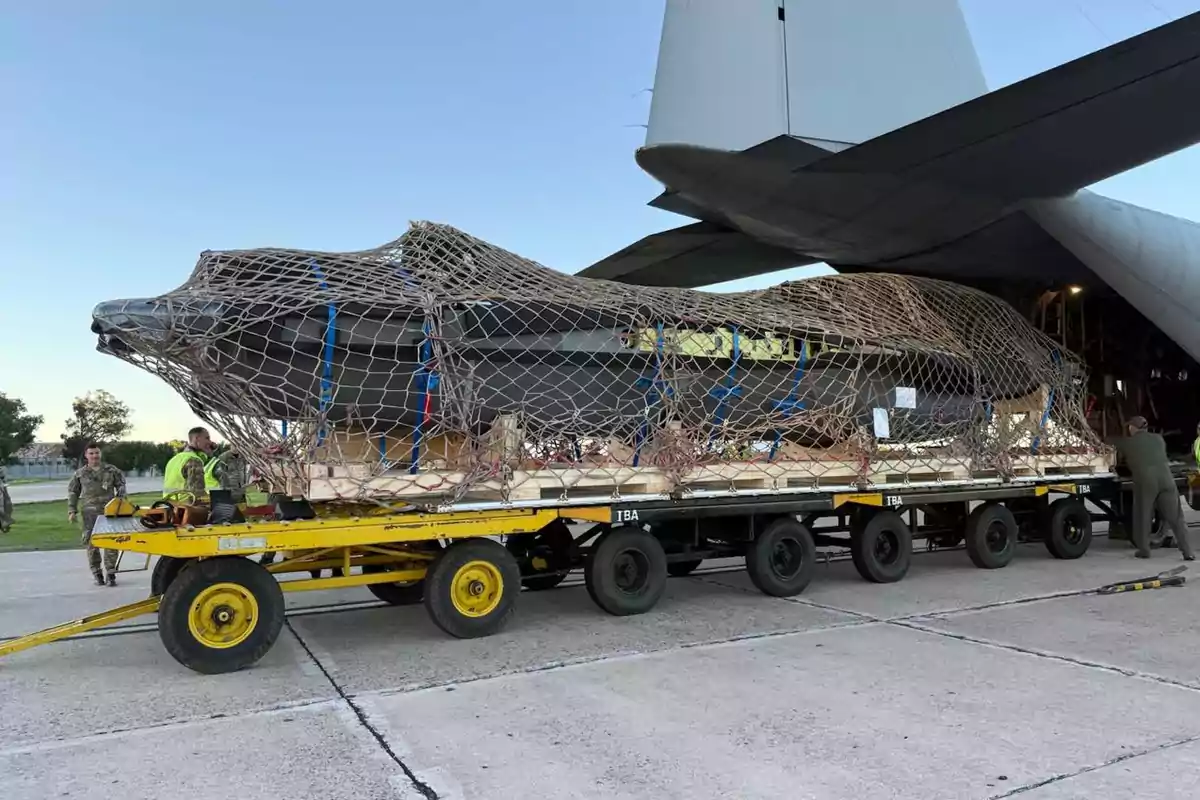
(186, 472)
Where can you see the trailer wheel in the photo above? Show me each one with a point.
(681, 569)
(551, 545)
(991, 536)
(626, 572)
(221, 614)
(471, 589)
(881, 546)
(1068, 528)
(401, 593)
(782, 558)
(166, 569)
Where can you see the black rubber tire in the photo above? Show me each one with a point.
(396, 594)
(681, 569)
(881, 546)
(782, 558)
(991, 536)
(557, 538)
(626, 572)
(166, 569)
(177, 604)
(1068, 532)
(439, 588)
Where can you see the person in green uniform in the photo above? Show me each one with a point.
(92, 486)
(1145, 454)
(230, 472)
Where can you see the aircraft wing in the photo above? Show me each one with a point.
(1014, 247)
(694, 255)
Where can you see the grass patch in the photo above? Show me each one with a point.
(44, 526)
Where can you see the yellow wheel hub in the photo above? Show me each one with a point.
(476, 589)
(223, 616)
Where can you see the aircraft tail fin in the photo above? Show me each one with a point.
(835, 73)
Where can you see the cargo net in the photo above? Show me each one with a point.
(441, 369)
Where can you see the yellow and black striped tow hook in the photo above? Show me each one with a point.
(1172, 577)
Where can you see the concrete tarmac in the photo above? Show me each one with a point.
(955, 683)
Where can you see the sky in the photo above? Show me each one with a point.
(136, 134)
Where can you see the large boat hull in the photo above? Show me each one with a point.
(429, 333)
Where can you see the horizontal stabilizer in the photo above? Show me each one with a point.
(694, 255)
(1058, 131)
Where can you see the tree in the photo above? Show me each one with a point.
(16, 427)
(97, 417)
(138, 456)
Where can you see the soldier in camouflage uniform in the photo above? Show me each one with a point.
(232, 472)
(6, 511)
(94, 485)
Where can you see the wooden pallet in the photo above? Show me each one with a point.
(359, 481)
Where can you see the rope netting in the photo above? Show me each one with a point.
(439, 366)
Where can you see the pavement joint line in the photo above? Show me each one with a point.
(607, 658)
(1029, 787)
(421, 786)
(1031, 651)
(315, 703)
(935, 614)
(908, 622)
(1020, 601)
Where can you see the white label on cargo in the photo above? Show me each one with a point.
(906, 397)
(883, 428)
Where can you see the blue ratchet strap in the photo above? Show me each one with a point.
(326, 399)
(427, 382)
(655, 392)
(790, 404)
(730, 389)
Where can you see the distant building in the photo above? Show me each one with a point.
(40, 451)
(40, 460)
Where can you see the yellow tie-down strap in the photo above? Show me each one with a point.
(1065, 488)
(861, 499)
